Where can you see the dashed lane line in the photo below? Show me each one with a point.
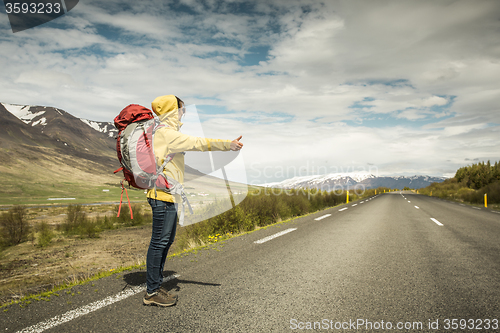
(342, 209)
(322, 217)
(268, 238)
(417, 207)
(73, 314)
(437, 222)
(354, 205)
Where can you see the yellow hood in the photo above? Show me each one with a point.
(165, 107)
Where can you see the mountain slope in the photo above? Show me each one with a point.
(94, 137)
(14, 132)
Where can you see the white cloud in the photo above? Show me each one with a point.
(46, 78)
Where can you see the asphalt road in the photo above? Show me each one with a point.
(392, 263)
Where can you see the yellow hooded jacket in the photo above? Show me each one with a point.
(168, 140)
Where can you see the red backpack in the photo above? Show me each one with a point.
(134, 148)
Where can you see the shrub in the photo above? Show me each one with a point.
(75, 217)
(493, 192)
(45, 234)
(15, 227)
(77, 223)
(139, 217)
(106, 223)
(89, 229)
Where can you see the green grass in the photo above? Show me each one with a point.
(38, 194)
(45, 296)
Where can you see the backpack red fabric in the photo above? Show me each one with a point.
(134, 149)
(130, 114)
(136, 125)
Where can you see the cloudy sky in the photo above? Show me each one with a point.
(393, 87)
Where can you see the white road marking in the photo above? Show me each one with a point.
(322, 217)
(354, 205)
(436, 221)
(409, 201)
(342, 209)
(268, 238)
(476, 207)
(417, 207)
(73, 314)
(361, 202)
(494, 211)
(462, 205)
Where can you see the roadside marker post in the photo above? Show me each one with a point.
(485, 200)
(347, 197)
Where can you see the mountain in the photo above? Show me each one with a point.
(41, 133)
(339, 181)
(58, 124)
(401, 182)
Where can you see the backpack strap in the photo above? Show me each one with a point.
(176, 188)
(121, 199)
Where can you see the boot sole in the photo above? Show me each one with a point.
(146, 302)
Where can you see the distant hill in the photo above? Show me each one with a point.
(351, 180)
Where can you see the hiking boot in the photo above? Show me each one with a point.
(166, 293)
(158, 298)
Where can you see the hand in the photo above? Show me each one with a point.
(236, 144)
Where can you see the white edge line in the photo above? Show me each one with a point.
(417, 207)
(354, 205)
(342, 209)
(268, 238)
(437, 222)
(73, 314)
(322, 217)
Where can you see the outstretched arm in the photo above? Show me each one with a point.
(236, 144)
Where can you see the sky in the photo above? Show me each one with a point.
(387, 87)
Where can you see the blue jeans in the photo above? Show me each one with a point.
(164, 227)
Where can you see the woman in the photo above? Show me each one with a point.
(168, 141)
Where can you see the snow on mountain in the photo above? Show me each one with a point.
(357, 177)
(23, 113)
(320, 181)
(365, 180)
(103, 127)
